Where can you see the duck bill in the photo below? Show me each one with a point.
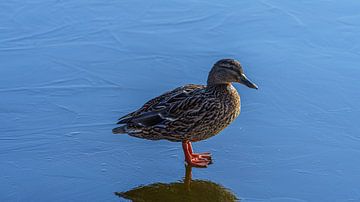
(247, 82)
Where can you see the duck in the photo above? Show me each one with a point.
(190, 113)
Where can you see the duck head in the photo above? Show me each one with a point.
(226, 71)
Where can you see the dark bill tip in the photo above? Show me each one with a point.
(255, 87)
(252, 85)
(248, 83)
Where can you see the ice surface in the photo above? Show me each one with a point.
(69, 69)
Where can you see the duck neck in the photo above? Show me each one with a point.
(223, 87)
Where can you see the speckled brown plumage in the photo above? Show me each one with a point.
(192, 112)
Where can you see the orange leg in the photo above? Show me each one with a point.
(196, 160)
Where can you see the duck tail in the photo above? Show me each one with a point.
(120, 130)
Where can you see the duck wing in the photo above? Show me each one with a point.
(161, 108)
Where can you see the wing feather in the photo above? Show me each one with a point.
(159, 109)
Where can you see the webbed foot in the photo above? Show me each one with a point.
(195, 159)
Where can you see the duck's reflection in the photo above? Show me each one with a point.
(187, 190)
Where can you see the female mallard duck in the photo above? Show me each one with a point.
(192, 112)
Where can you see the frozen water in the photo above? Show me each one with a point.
(69, 69)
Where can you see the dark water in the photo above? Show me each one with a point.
(185, 190)
(69, 69)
